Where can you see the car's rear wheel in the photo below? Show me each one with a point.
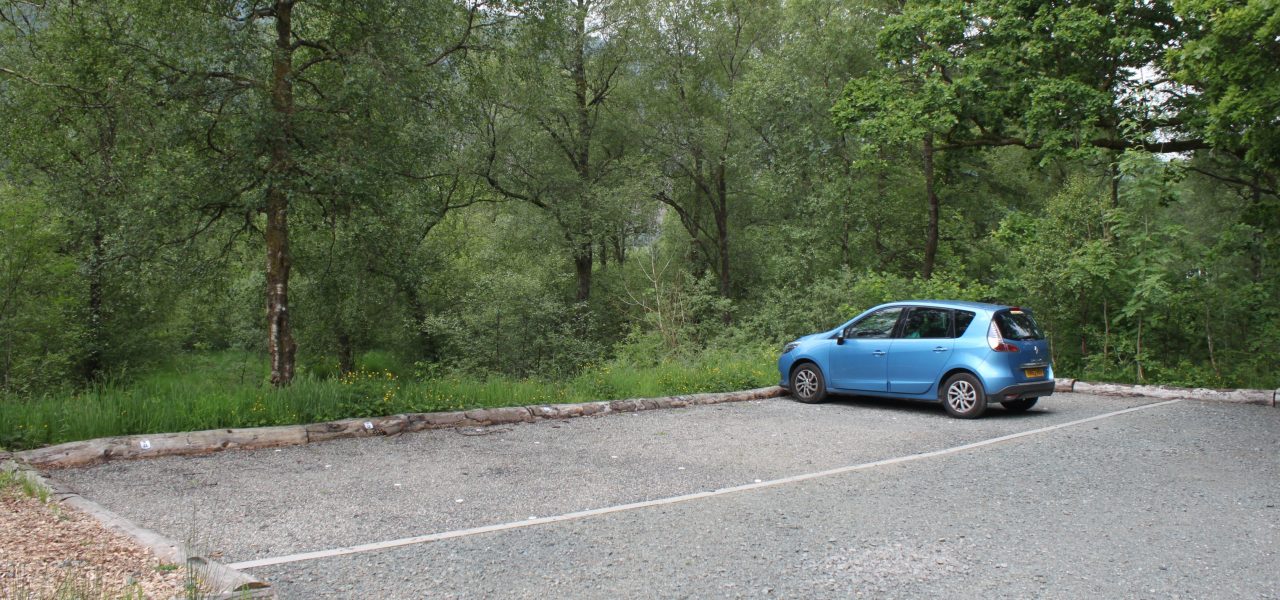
(807, 384)
(1021, 405)
(963, 397)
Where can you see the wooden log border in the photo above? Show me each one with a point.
(91, 452)
(218, 581)
(1164, 392)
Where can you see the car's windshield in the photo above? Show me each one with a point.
(1018, 325)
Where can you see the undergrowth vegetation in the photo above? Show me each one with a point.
(229, 389)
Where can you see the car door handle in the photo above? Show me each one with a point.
(940, 349)
(877, 353)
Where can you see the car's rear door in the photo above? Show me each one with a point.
(921, 350)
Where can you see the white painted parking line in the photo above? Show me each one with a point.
(447, 535)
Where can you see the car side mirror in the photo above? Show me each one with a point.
(840, 340)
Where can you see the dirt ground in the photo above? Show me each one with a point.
(52, 551)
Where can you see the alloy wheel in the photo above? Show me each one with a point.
(806, 383)
(961, 396)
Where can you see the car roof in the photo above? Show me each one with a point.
(950, 304)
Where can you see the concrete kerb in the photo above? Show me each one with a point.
(218, 581)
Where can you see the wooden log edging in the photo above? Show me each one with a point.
(1164, 392)
(218, 581)
(1259, 397)
(91, 452)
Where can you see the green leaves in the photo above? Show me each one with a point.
(1230, 60)
(1053, 77)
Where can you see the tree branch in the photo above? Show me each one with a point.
(1110, 144)
(1234, 181)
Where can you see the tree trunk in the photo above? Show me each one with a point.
(1106, 334)
(882, 196)
(1115, 181)
(582, 259)
(418, 312)
(846, 254)
(91, 368)
(1084, 318)
(931, 236)
(1138, 354)
(280, 344)
(721, 205)
(1208, 336)
(620, 249)
(1259, 244)
(346, 353)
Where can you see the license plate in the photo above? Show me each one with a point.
(1033, 373)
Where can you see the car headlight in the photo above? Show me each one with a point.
(789, 347)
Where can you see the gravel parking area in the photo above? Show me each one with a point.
(1173, 501)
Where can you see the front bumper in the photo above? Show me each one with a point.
(784, 369)
(1031, 389)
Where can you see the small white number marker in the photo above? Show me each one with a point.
(145, 444)
(368, 424)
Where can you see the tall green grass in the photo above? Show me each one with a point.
(224, 390)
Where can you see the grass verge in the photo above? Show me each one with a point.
(227, 390)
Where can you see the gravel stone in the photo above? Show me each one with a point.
(1178, 499)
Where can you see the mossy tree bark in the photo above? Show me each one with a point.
(280, 344)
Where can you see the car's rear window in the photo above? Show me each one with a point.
(1018, 325)
(963, 319)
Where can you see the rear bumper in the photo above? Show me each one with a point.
(1032, 389)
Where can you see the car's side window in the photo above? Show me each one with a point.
(963, 319)
(878, 324)
(927, 323)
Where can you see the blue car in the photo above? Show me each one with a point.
(965, 355)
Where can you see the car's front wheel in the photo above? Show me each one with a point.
(963, 397)
(807, 384)
(1017, 406)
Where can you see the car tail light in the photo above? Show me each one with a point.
(996, 341)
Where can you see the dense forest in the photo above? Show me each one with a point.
(532, 188)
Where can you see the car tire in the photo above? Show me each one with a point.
(1017, 406)
(807, 384)
(963, 397)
